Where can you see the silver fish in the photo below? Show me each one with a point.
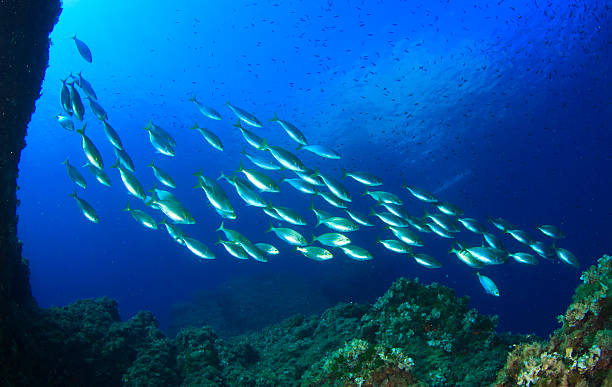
(207, 111)
(244, 116)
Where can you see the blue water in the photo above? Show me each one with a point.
(500, 107)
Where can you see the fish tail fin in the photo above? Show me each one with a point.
(270, 228)
(198, 173)
(127, 206)
(240, 168)
(299, 147)
(65, 162)
(313, 238)
(222, 176)
(220, 227)
(116, 164)
(366, 192)
(275, 118)
(237, 125)
(73, 37)
(264, 145)
(151, 164)
(82, 130)
(193, 99)
(195, 126)
(311, 205)
(73, 195)
(148, 125)
(344, 173)
(244, 152)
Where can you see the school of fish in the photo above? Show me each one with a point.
(443, 219)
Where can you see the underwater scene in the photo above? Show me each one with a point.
(328, 193)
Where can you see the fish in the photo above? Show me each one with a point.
(86, 209)
(161, 133)
(124, 159)
(206, 111)
(159, 142)
(174, 231)
(357, 253)
(284, 157)
(335, 187)
(91, 152)
(293, 132)
(141, 217)
(198, 248)
(130, 182)
(521, 236)
(84, 51)
(447, 222)
(86, 86)
(244, 116)
(321, 151)
(493, 241)
(421, 194)
(449, 209)
(162, 176)
(406, 235)
(320, 214)
(551, 231)
(359, 218)
(174, 210)
(473, 225)
(259, 179)
(112, 136)
(65, 98)
(340, 224)
(209, 136)
(501, 224)
(543, 250)
(75, 175)
(396, 210)
(251, 138)
(301, 185)
(289, 215)
(271, 212)
(290, 236)
(383, 196)
(525, 258)
(390, 219)
(252, 250)
(567, 257)
(99, 174)
(65, 122)
(234, 248)
(97, 109)
(419, 224)
(262, 162)
(467, 258)
(215, 194)
(439, 230)
(315, 253)
(76, 103)
(488, 285)
(332, 239)
(333, 199)
(427, 261)
(245, 191)
(310, 177)
(267, 248)
(395, 246)
(231, 235)
(364, 178)
(488, 255)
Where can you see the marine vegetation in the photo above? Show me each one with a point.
(580, 352)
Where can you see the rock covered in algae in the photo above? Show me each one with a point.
(580, 352)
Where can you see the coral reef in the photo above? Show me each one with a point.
(580, 352)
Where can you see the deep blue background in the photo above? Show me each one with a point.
(501, 107)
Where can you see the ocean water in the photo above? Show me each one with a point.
(500, 107)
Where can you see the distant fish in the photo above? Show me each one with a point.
(357, 253)
(244, 116)
(75, 175)
(290, 236)
(162, 176)
(209, 136)
(99, 174)
(198, 248)
(65, 98)
(141, 217)
(83, 49)
(364, 178)
(315, 253)
(112, 135)
(427, 261)
(321, 151)
(567, 257)
(76, 103)
(551, 231)
(86, 209)
(207, 111)
(488, 285)
(421, 194)
(91, 152)
(293, 132)
(65, 122)
(86, 86)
